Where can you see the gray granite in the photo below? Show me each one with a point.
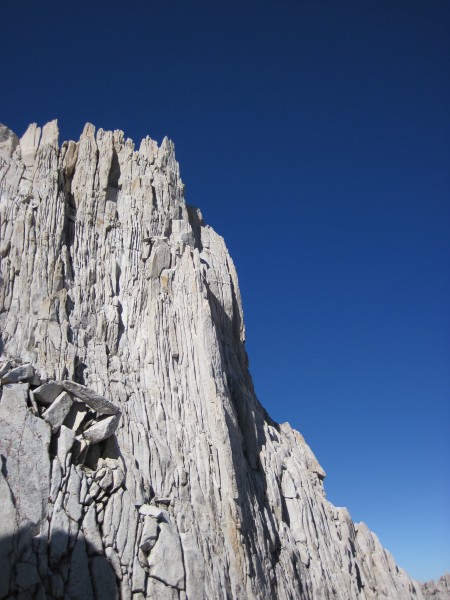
(161, 475)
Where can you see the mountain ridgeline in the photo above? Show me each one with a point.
(136, 459)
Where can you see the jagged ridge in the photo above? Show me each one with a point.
(110, 281)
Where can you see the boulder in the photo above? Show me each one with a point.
(98, 403)
(21, 373)
(58, 410)
(47, 392)
(102, 429)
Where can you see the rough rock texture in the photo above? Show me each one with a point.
(157, 474)
(437, 590)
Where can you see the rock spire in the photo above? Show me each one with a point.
(136, 459)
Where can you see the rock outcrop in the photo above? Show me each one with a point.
(439, 590)
(136, 459)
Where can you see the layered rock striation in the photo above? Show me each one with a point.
(136, 459)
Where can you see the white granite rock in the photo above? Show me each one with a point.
(166, 558)
(437, 590)
(47, 392)
(102, 429)
(65, 440)
(20, 373)
(58, 410)
(155, 512)
(89, 397)
(76, 415)
(149, 534)
(5, 367)
(24, 451)
(118, 294)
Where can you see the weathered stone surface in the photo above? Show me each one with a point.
(103, 578)
(439, 590)
(102, 429)
(72, 501)
(21, 373)
(92, 532)
(57, 412)
(65, 442)
(24, 450)
(166, 559)
(154, 511)
(120, 295)
(149, 534)
(5, 367)
(27, 575)
(8, 533)
(59, 531)
(89, 397)
(76, 415)
(79, 584)
(47, 392)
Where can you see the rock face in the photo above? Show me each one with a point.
(137, 461)
(437, 591)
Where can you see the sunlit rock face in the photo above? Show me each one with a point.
(136, 459)
(437, 590)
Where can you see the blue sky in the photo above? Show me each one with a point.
(315, 138)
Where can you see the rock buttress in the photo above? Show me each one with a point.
(127, 406)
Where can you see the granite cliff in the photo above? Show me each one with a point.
(437, 590)
(136, 459)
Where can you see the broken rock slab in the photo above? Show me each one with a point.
(24, 445)
(48, 392)
(65, 442)
(149, 534)
(5, 367)
(102, 429)
(148, 510)
(18, 374)
(98, 403)
(76, 415)
(58, 410)
(166, 559)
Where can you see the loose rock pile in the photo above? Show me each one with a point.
(67, 407)
(67, 451)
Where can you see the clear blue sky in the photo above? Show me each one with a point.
(314, 135)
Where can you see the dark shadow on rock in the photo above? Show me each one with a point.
(80, 368)
(246, 425)
(109, 448)
(45, 516)
(196, 222)
(61, 565)
(113, 177)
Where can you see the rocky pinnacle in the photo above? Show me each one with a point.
(136, 459)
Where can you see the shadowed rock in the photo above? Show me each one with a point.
(21, 373)
(103, 429)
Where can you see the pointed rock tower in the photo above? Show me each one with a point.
(136, 459)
